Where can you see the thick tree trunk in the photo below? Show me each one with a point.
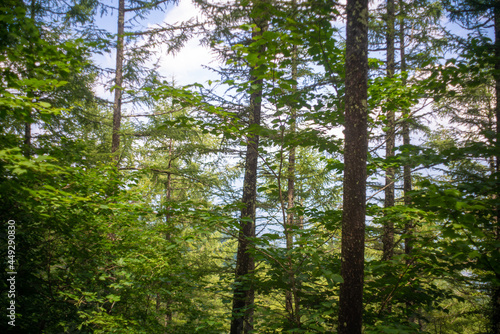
(388, 237)
(243, 297)
(356, 149)
(117, 105)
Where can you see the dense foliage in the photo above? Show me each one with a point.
(134, 215)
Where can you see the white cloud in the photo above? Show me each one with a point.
(186, 65)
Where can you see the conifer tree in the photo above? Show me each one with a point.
(243, 300)
(390, 137)
(356, 150)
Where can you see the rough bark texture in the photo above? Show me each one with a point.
(243, 297)
(117, 105)
(388, 237)
(356, 148)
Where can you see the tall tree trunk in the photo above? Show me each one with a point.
(117, 105)
(356, 150)
(388, 237)
(407, 182)
(168, 197)
(407, 179)
(495, 297)
(27, 124)
(243, 297)
(291, 298)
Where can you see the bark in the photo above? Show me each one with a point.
(243, 299)
(388, 237)
(117, 105)
(495, 297)
(407, 182)
(356, 149)
(243, 295)
(292, 302)
(168, 198)
(407, 179)
(27, 137)
(27, 124)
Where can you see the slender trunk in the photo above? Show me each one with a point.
(407, 179)
(27, 137)
(355, 154)
(27, 124)
(117, 106)
(243, 297)
(167, 317)
(407, 182)
(169, 181)
(168, 197)
(388, 237)
(292, 302)
(495, 297)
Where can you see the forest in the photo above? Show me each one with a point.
(338, 172)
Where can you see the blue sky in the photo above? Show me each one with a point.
(186, 66)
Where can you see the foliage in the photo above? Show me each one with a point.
(149, 245)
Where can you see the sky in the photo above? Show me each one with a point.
(186, 67)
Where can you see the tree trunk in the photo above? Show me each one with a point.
(407, 182)
(355, 154)
(388, 237)
(243, 297)
(27, 124)
(291, 298)
(117, 105)
(495, 297)
(27, 137)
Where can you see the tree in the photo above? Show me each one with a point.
(117, 105)
(131, 73)
(243, 299)
(356, 150)
(476, 17)
(390, 139)
(160, 237)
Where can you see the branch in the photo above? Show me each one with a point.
(155, 114)
(146, 6)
